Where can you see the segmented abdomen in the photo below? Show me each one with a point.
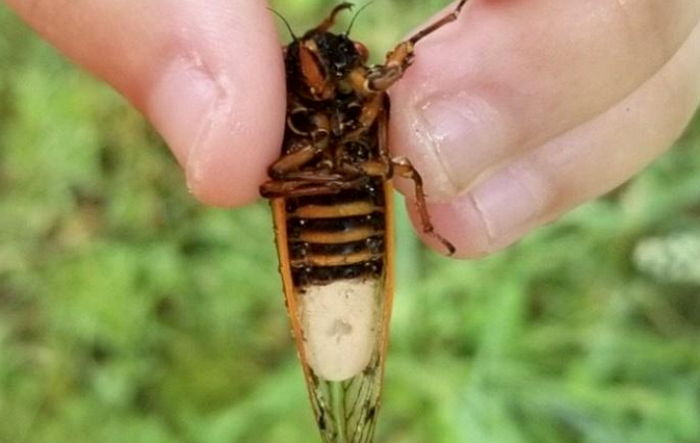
(337, 236)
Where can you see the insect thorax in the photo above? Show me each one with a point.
(326, 101)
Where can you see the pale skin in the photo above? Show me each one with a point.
(514, 114)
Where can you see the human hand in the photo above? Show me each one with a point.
(210, 79)
(522, 110)
(535, 106)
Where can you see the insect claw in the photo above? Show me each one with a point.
(450, 247)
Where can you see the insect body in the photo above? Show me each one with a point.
(330, 193)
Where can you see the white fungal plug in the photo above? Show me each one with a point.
(340, 324)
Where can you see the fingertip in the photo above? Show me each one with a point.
(502, 81)
(220, 108)
(229, 162)
(210, 79)
(222, 192)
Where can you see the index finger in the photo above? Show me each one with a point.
(207, 74)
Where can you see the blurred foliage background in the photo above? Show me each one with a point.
(130, 313)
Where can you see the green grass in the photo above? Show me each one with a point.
(130, 313)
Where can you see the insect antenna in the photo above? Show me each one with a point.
(284, 20)
(354, 17)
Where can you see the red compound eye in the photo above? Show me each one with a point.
(362, 50)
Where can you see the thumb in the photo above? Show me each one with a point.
(521, 110)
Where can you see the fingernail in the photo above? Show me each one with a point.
(181, 104)
(467, 134)
(509, 203)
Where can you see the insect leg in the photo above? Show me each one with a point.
(404, 168)
(374, 168)
(400, 58)
(295, 188)
(303, 151)
(370, 111)
(291, 162)
(438, 24)
(306, 187)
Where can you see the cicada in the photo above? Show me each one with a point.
(331, 198)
